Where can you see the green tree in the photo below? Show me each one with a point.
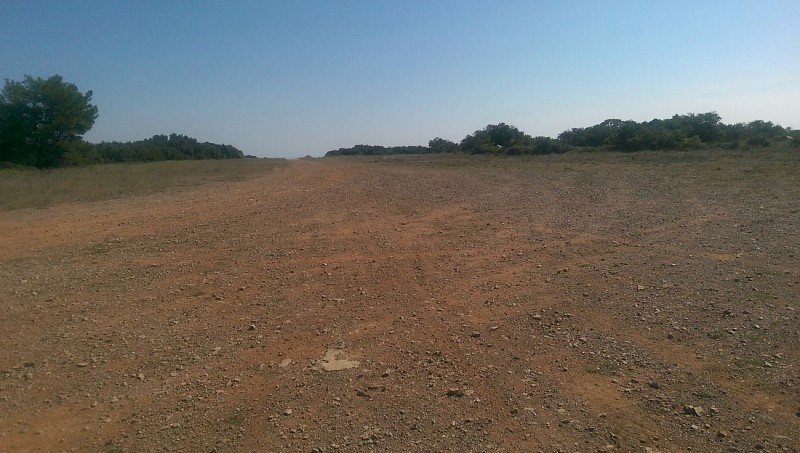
(38, 115)
(494, 138)
(440, 145)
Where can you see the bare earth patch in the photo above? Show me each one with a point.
(557, 303)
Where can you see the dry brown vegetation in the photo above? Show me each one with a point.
(33, 188)
(577, 302)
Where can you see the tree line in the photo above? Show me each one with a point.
(156, 148)
(684, 132)
(42, 122)
(681, 132)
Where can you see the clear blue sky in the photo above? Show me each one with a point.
(290, 78)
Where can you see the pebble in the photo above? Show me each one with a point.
(455, 392)
(693, 410)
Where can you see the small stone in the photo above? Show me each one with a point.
(455, 392)
(287, 412)
(251, 328)
(331, 363)
(537, 317)
(82, 364)
(475, 334)
(693, 410)
(362, 393)
(653, 384)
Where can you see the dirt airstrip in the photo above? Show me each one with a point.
(568, 303)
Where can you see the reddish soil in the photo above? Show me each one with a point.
(557, 303)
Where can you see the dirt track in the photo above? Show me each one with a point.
(556, 304)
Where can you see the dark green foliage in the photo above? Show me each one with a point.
(41, 118)
(505, 139)
(493, 139)
(496, 139)
(77, 152)
(163, 147)
(440, 145)
(374, 150)
(681, 132)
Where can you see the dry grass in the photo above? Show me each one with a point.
(39, 188)
(716, 166)
(778, 155)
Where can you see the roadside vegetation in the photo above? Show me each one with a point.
(34, 188)
(42, 122)
(681, 132)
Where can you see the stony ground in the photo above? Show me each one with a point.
(559, 303)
